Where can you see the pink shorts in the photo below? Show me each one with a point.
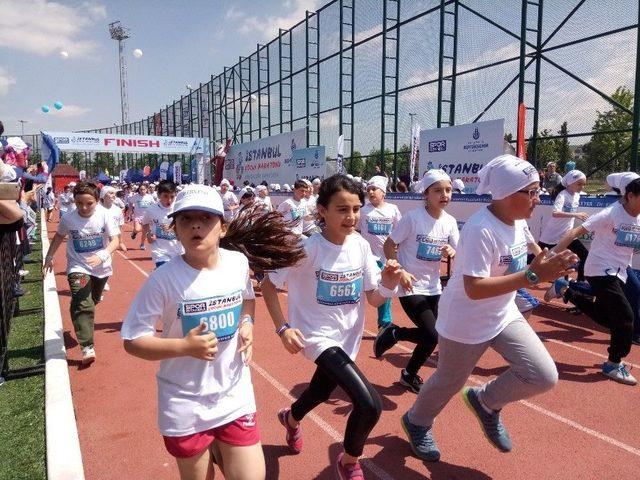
(242, 432)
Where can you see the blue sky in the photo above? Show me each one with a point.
(183, 42)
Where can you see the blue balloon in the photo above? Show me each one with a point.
(45, 108)
(58, 105)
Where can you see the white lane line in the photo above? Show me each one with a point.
(328, 429)
(548, 413)
(580, 349)
(132, 263)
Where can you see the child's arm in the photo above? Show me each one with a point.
(149, 347)
(103, 255)
(391, 276)
(292, 338)
(48, 259)
(245, 330)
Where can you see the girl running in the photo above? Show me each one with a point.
(156, 225)
(617, 234)
(229, 200)
(326, 317)
(421, 240)
(93, 237)
(108, 199)
(565, 210)
(49, 203)
(477, 311)
(377, 219)
(205, 302)
(294, 209)
(139, 203)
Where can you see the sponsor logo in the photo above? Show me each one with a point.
(301, 163)
(438, 146)
(85, 140)
(61, 139)
(240, 169)
(476, 134)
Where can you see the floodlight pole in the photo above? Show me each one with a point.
(636, 109)
(120, 33)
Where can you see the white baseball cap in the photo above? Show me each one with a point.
(198, 197)
(105, 190)
(225, 182)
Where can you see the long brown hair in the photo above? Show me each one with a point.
(265, 239)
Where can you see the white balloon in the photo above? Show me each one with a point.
(137, 53)
(64, 54)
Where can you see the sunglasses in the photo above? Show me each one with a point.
(533, 193)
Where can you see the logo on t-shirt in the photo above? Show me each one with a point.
(338, 288)
(163, 231)
(517, 260)
(628, 235)
(569, 208)
(220, 314)
(430, 248)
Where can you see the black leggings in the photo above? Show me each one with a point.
(611, 309)
(422, 310)
(335, 368)
(576, 247)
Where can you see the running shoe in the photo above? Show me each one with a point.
(412, 382)
(106, 287)
(491, 424)
(618, 373)
(349, 471)
(385, 339)
(421, 440)
(142, 247)
(134, 235)
(88, 355)
(294, 435)
(556, 289)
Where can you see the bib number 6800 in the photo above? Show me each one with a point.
(219, 321)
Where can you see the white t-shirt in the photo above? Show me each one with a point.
(294, 210)
(557, 227)
(617, 235)
(116, 214)
(118, 201)
(86, 236)
(311, 210)
(140, 204)
(376, 223)
(327, 293)
(420, 237)
(488, 248)
(49, 200)
(66, 203)
(266, 201)
(229, 198)
(197, 395)
(166, 245)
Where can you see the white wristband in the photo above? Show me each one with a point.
(387, 292)
(103, 255)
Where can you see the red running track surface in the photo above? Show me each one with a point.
(587, 427)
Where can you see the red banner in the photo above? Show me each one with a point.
(218, 161)
(521, 151)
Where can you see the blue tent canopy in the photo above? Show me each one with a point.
(134, 175)
(103, 178)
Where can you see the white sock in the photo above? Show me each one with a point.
(482, 404)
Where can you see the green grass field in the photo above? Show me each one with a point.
(22, 426)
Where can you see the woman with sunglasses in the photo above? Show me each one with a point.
(477, 311)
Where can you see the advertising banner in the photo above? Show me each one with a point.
(99, 142)
(177, 173)
(308, 163)
(267, 159)
(164, 170)
(462, 150)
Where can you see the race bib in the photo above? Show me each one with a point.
(142, 204)
(220, 315)
(628, 236)
(379, 225)
(297, 213)
(86, 245)
(518, 260)
(339, 288)
(429, 248)
(163, 233)
(569, 208)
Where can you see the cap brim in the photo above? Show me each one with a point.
(199, 209)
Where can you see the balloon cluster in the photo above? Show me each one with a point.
(57, 105)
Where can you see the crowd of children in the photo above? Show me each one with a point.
(331, 244)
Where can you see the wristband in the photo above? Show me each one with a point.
(387, 292)
(247, 319)
(283, 327)
(103, 255)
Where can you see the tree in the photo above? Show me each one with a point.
(605, 146)
(562, 147)
(355, 164)
(546, 150)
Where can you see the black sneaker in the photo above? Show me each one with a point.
(385, 339)
(412, 382)
(134, 235)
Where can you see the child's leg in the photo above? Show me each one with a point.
(532, 370)
(198, 467)
(82, 307)
(318, 391)
(579, 249)
(97, 287)
(241, 463)
(422, 310)
(632, 292)
(384, 310)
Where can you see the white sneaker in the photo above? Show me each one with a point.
(106, 287)
(619, 373)
(23, 273)
(88, 355)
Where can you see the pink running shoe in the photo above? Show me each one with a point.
(350, 471)
(294, 435)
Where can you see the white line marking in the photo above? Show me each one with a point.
(580, 349)
(548, 413)
(328, 429)
(131, 262)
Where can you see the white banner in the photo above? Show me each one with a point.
(340, 154)
(177, 173)
(82, 174)
(122, 175)
(309, 163)
(268, 159)
(99, 142)
(164, 170)
(462, 150)
(415, 154)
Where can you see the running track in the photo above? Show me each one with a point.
(588, 427)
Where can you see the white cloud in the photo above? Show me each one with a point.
(234, 14)
(68, 111)
(267, 26)
(42, 27)
(6, 80)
